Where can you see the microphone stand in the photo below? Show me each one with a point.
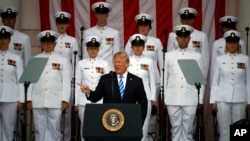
(199, 115)
(112, 83)
(82, 29)
(247, 30)
(16, 131)
(162, 111)
(247, 34)
(63, 124)
(74, 97)
(24, 124)
(215, 123)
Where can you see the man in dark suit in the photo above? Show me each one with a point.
(109, 88)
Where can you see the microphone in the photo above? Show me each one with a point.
(111, 73)
(75, 52)
(247, 29)
(82, 28)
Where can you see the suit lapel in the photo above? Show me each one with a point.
(128, 85)
(117, 94)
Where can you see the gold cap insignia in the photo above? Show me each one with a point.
(143, 18)
(3, 30)
(186, 12)
(229, 20)
(62, 16)
(232, 35)
(93, 40)
(9, 11)
(47, 34)
(101, 6)
(183, 29)
(137, 38)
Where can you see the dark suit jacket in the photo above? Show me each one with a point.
(108, 89)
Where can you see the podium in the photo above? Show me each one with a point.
(100, 122)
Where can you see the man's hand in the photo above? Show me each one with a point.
(153, 102)
(65, 105)
(19, 106)
(29, 105)
(214, 107)
(84, 88)
(76, 109)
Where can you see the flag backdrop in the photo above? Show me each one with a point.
(123, 12)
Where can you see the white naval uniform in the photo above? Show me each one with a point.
(47, 95)
(197, 43)
(143, 67)
(20, 45)
(219, 49)
(230, 90)
(181, 98)
(66, 45)
(88, 72)
(154, 50)
(110, 42)
(11, 92)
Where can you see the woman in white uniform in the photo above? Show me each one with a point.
(89, 71)
(143, 67)
(230, 91)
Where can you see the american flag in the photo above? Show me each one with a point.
(123, 12)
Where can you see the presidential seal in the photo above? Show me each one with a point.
(113, 120)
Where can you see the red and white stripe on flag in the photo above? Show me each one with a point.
(123, 12)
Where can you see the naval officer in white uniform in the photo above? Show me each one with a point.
(181, 98)
(110, 38)
(11, 91)
(89, 71)
(230, 90)
(198, 41)
(66, 46)
(227, 23)
(143, 67)
(154, 50)
(20, 42)
(51, 94)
